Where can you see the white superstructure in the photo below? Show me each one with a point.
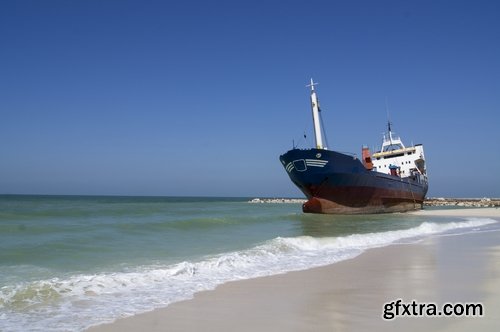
(396, 159)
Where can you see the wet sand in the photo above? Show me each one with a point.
(462, 212)
(350, 295)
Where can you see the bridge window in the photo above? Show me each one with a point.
(392, 147)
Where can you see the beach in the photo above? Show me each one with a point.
(350, 295)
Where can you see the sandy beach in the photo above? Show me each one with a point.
(350, 295)
(462, 212)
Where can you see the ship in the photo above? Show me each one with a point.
(392, 179)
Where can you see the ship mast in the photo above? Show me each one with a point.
(389, 131)
(316, 120)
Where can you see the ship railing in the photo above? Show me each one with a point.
(394, 152)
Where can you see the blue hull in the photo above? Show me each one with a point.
(338, 183)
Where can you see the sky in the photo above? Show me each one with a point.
(199, 98)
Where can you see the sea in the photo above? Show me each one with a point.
(71, 262)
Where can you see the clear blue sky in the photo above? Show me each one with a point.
(201, 97)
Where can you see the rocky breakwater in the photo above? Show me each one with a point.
(278, 200)
(440, 201)
(463, 202)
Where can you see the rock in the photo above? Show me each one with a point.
(278, 200)
(463, 202)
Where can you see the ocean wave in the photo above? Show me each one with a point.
(75, 302)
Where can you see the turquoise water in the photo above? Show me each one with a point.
(69, 262)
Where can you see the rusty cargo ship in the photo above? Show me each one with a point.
(392, 179)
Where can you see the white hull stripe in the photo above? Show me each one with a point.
(309, 162)
(316, 163)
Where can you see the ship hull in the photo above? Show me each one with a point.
(337, 183)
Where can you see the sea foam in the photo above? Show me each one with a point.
(75, 302)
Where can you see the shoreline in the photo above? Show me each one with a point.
(483, 212)
(349, 295)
